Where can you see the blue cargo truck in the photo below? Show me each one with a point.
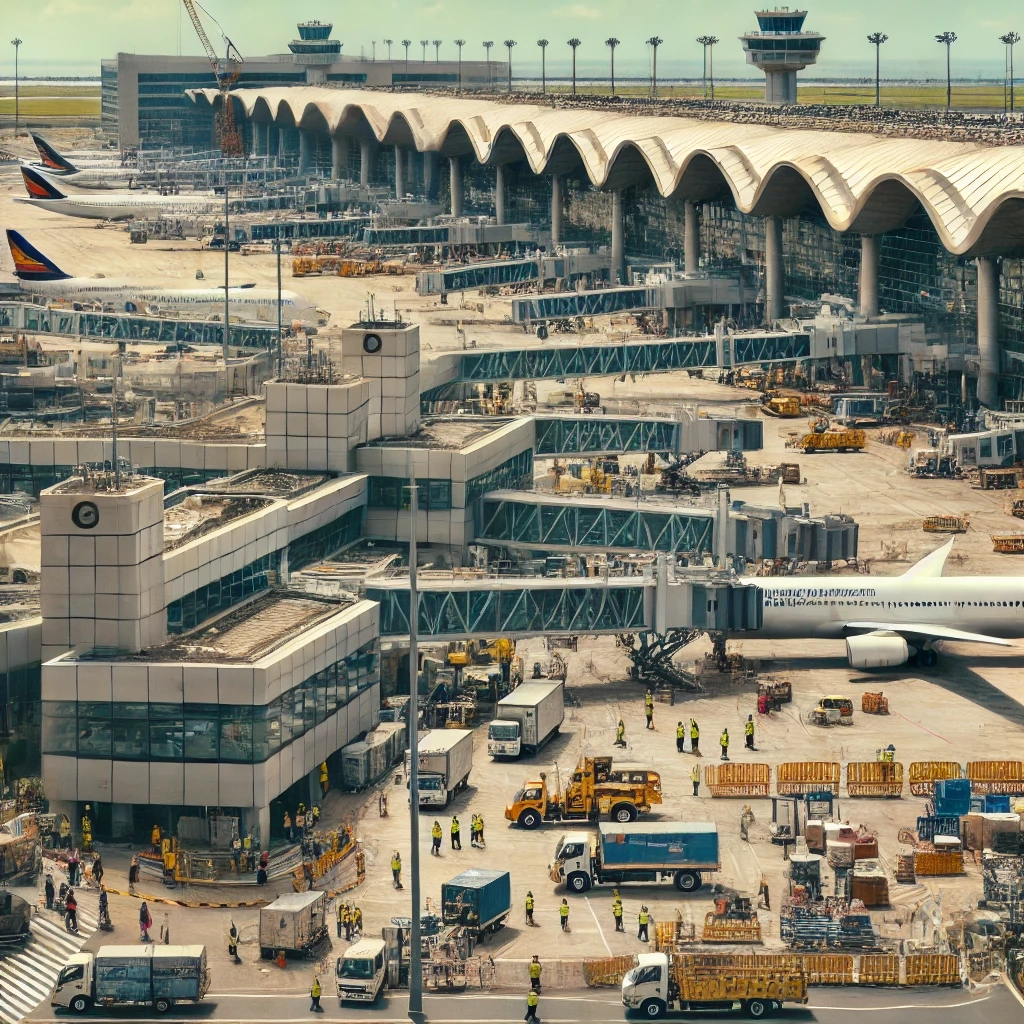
(650, 851)
(478, 900)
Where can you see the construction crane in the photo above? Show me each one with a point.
(226, 69)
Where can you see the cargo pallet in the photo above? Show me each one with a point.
(738, 779)
(1008, 543)
(874, 778)
(722, 929)
(929, 863)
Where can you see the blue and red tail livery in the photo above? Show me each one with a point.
(51, 158)
(29, 263)
(39, 187)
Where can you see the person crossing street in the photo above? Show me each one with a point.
(535, 970)
(563, 913)
(314, 996)
(643, 920)
(532, 999)
(529, 908)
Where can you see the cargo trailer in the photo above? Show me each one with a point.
(526, 719)
(478, 900)
(295, 922)
(445, 761)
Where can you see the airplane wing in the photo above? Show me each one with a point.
(927, 631)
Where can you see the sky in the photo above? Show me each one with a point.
(69, 37)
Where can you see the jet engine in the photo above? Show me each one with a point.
(877, 650)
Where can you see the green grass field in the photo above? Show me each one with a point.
(7, 89)
(57, 106)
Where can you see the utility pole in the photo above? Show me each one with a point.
(227, 250)
(509, 43)
(876, 39)
(543, 44)
(415, 944)
(460, 43)
(388, 42)
(1010, 40)
(373, 43)
(407, 43)
(437, 50)
(574, 43)
(487, 46)
(424, 43)
(280, 316)
(16, 43)
(611, 43)
(654, 42)
(947, 39)
(708, 42)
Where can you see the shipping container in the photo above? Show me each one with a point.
(951, 797)
(295, 922)
(477, 899)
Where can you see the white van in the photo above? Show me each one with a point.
(361, 972)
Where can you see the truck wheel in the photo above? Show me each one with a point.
(162, 1005)
(652, 1009)
(529, 819)
(578, 882)
(623, 813)
(757, 1009)
(80, 1004)
(687, 881)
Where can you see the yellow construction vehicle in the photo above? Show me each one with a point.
(594, 789)
(832, 441)
(784, 406)
(481, 652)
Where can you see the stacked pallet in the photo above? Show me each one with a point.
(727, 929)
(874, 704)
(794, 778)
(607, 971)
(880, 969)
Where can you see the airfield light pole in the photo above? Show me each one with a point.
(1010, 40)
(280, 326)
(415, 940)
(876, 39)
(947, 39)
(227, 302)
(16, 43)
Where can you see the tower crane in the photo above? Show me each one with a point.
(226, 69)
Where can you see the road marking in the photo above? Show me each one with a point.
(600, 930)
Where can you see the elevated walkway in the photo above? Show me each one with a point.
(606, 435)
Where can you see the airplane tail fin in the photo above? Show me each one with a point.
(51, 158)
(29, 263)
(39, 186)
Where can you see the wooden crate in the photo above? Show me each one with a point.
(938, 862)
(874, 704)
(722, 929)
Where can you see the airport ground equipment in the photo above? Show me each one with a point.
(295, 922)
(526, 719)
(478, 900)
(361, 972)
(445, 761)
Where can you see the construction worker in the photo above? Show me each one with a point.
(748, 730)
(324, 779)
(532, 999)
(695, 738)
(529, 908)
(563, 913)
(695, 779)
(456, 829)
(480, 829)
(340, 912)
(680, 737)
(65, 833)
(233, 944)
(436, 835)
(87, 830)
(620, 734)
(154, 837)
(314, 995)
(357, 921)
(649, 709)
(288, 831)
(724, 741)
(762, 893)
(382, 805)
(746, 820)
(396, 869)
(474, 831)
(346, 920)
(300, 819)
(314, 816)
(535, 973)
(643, 920)
(617, 911)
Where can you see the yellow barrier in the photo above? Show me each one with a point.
(723, 929)
(738, 779)
(608, 971)
(924, 775)
(933, 969)
(879, 969)
(996, 777)
(796, 777)
(874, 778)
(829, 968)
(944, 862)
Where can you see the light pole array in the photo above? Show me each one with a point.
(1009, 41)
(947, 39)
(487, 46)
(611, 43)
(575, 44)
(708, 42)
(437, 50)
(460, 43)
(16, 43)
(654, 42)
(509, 43)
(543, 44)
(876, 39)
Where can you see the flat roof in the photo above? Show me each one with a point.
(275, 483)
(200, 514)
(451, 434)
(295, 900)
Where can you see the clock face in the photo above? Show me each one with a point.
(372, 344)
(85, 515)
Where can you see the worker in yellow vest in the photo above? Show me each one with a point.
(695, 738)
(529, 908)
(620, 734)
(649, 709)
(643, 920)
(436, 835)
(456, 829)
(532, 999)
(535, 973)
(396, 869)
(563, 913)
(748, 730)
(724, 741)
(617, 912)
(314, 995)
(324, 779)
(680, 737)
(695, 779)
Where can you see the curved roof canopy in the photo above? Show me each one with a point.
(973, 193)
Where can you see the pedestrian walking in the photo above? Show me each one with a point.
(436, 835)
(649, 709)
(724, 742)
(71, 911)
(643, 920)
(324, 779)
(617, 911)
(145, 923)
(133, 872)
(748, 730)
(532, 999)
(73, 864)
(456, 829)
(620, 734)
(695, 779)
(563, 913)
(382, 806)
(357, 921)
(475, 830)
(680, 737)
(695, 739)
(529, 908)
(396, 869)
(314, 996)
(49, 891)
(346, 920)
(535, 970)
(480, 829)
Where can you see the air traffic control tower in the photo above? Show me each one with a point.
(780, 48)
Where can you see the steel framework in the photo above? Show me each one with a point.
(523, 522)
(767, 348)
(483, 275)
(521, 611)
(596, 435)
(567, 305)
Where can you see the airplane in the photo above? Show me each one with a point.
(45, 194)
(83, 175)
(894, 620)
(39, 275)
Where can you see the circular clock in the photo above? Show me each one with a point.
(85, 515)
(372, 344)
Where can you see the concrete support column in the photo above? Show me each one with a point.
(988, 332)
(338, 148)
(257, 137)
(499, 193)
(774, 285)
(869, 275)
(282, 141)
(618, 240)
(306, 147)
(365, 157)
(556, 210)
(270, 147)
(410, 170)
(455, 184)
(430, 175)
(399, 173)
(691, 238)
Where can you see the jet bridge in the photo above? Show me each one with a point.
(606, 435)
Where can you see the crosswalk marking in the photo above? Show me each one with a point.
(27, 975)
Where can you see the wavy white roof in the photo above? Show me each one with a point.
(862, 182)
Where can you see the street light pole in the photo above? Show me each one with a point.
(227, 250)
(487, 46)
(948, 39)
(16, 43)
(460, 43)
(876, 39)
(415, 943)
(654, 42)
(543, 44)
(509, 43)
(611, 43)
(1010, 40)
(280, 317)
(708, 42)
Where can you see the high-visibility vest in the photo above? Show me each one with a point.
(620, 732)
(617, 908)
(535, 970)
(695, 774)
(342, 911)
(643, 917)
(649, 702)
(749, 728)
(315, 990)
(724, 741)
(155, 836)
(287, 820)
(396, 863)
(563, 910)
(694, 732)
(680, 732)
(436, 832)
(532, 999)
(456, 827)
(323, 772)
(529, 903)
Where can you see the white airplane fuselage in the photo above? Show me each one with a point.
(805, 607)
(123, 207)
(94, 177)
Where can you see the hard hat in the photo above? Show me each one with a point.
(528, 892)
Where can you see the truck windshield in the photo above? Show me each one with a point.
(503, 732)
(429, 782)
(73, 972)
(355, 968)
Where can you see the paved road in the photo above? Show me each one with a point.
(827, 1006)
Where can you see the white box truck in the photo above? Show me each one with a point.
(526, 719)
(445, 761)
(149, 975)
(361, 973)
